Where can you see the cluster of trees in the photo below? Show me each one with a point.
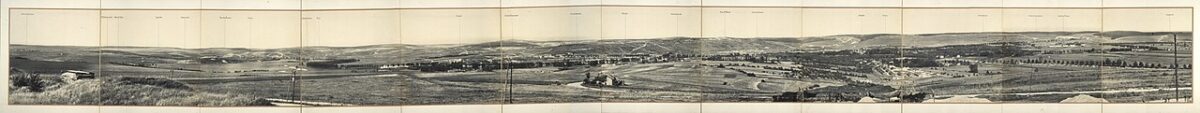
(1106, 62)
(789, 69)
(756, 58)
(601, 79)
(488, 65)
(218, 60)
(991, 50)
(224, 59)
(447, 66)
(794, 72)
(1131, 46)
(329, 64)
(915, 62)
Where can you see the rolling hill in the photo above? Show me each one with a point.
(392, 53)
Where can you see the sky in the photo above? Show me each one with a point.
(447, 22)
(335, 4)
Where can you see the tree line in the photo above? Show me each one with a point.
(1105, 62)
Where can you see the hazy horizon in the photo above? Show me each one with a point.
(347, 28)
(459, 44)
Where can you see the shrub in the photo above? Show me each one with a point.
(19, 81)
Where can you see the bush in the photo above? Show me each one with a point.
(26, 82)
(131, 91)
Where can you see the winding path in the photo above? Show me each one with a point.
(286, 102)
(754, 85)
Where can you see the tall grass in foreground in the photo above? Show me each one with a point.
(20, 81)
(121, 91)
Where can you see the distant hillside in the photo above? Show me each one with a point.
(390, 53)
(1133, 36)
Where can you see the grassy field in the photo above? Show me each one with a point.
(380, 89)
(245, 66)
(429, 91)
(1024, 82)
(50, 67)
(127, 91)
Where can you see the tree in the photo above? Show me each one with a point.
(973, 68)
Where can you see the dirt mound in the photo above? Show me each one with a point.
(868, 100)
(959, 99)
(1084, 99)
